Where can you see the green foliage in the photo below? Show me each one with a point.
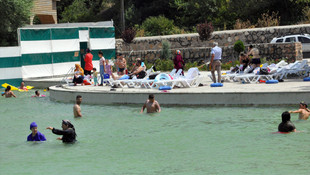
(76, 12)
(164, 65)
(239, 46)
(13, 14)
(158, 26)
(165, 52)
(228, 65)
(190, 64)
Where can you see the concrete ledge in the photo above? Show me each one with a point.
(231, 94)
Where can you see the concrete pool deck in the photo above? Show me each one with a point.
(289, 92)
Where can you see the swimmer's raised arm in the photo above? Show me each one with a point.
(298, 111)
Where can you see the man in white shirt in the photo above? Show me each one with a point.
(216, 56)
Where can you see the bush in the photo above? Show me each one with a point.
(239, 46)
(158, 26)
(164, 65)
(228, 65)
(243, 24)
(128, 35)
(165, 52)
(190, 65)
(268, 20)
(205, 30)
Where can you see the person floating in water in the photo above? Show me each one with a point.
(22, 86)
(303, 111)
(68, 132)
(35, 135)
(151, 105)
(286, 125)
(37, 94)
(77, 107)
(8, 93)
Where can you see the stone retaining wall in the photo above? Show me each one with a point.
(194, 49)
(224, 38)
(290, 51)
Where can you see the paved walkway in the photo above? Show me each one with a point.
(291, 91)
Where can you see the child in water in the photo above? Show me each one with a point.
(8, 93)
(35, 135)
(95, 74)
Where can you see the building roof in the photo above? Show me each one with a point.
(65, 25)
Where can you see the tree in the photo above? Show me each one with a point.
(76, 12)
(190, 13)
(13, 14)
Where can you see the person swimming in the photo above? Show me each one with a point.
(35, 135)
(8, 93)
(77, 106)
(286, 125)
(303, 111)
(151, 105)
(67, 132)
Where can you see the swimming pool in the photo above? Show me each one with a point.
(179, 140)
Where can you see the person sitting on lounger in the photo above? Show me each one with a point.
(78, 75)
(139, 72)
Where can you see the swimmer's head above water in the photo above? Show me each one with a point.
(34, 127)
(78, 99)
(303, 104)
(37, 93)
(286, 116)
(151, 97)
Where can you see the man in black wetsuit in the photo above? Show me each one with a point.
(68, 132)
(286, 125)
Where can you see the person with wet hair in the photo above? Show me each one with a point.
(303, 111)
(286, 125)
(151, 105)
(67, 132)
(8, 93)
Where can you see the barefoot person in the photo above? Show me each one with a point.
(303, 111)
(286, 125)
(121, 63)
(67, 132)
(77, 107)
(151, 105)
(35, 134)
(8, 93)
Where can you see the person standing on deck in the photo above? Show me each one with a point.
(216, 56)
(88, 62)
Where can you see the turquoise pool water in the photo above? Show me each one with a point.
(180, 140)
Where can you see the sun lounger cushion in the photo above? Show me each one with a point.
(124, 77)
(272, 81)
(216, 85)
(165, 88)
(307, 79)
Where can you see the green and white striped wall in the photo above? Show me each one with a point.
(45, 52)
(48, 52)
(102, 39)
(10, 66)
